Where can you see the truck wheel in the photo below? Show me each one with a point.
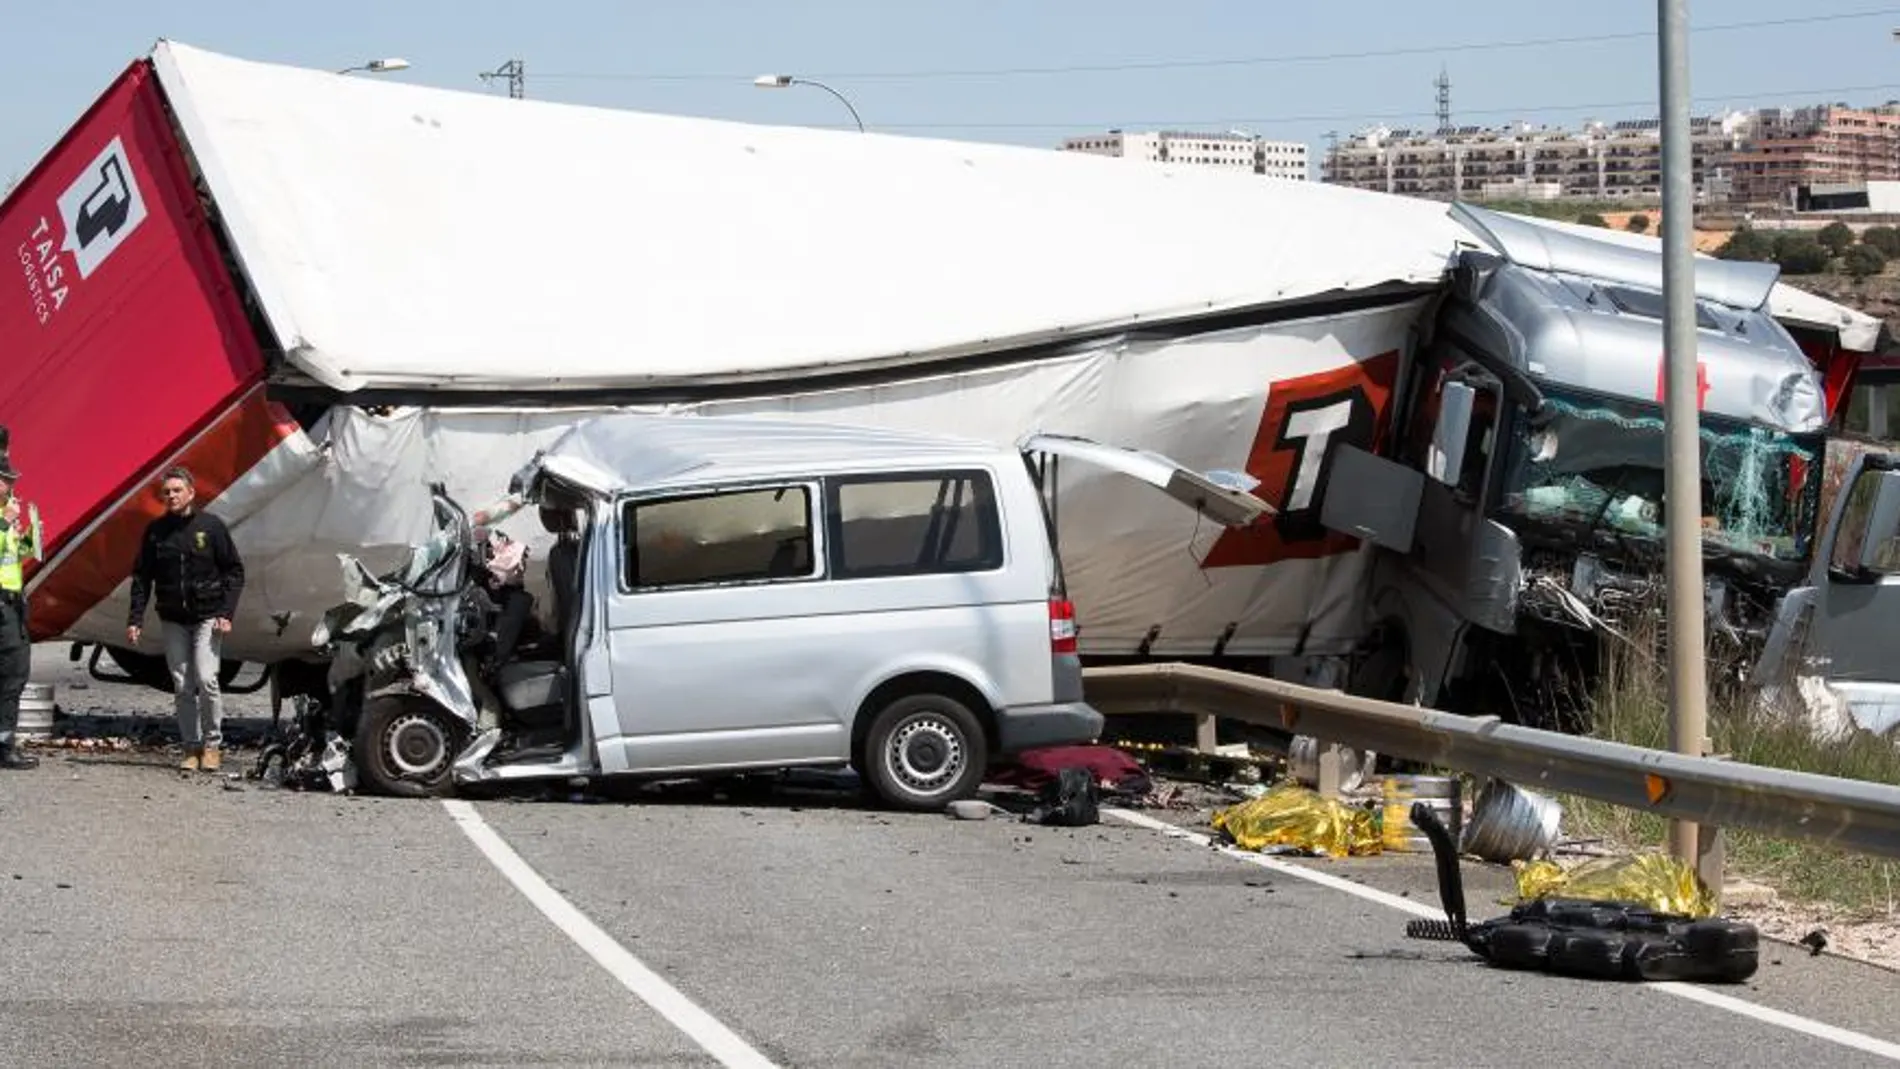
(405, 747)
(924, 751)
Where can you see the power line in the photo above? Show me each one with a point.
(1282, 120)
(1249, 61)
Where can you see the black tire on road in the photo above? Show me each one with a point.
(924, 751)
(406, 747)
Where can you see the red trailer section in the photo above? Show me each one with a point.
(1837, 364)
(121, 333)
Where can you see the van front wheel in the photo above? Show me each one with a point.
(925, 751)
(405, 747)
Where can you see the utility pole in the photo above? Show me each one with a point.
(515, 73)
(1443, 85)
(1682, 459)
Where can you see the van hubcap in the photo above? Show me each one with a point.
(416, 746)
(926, 754)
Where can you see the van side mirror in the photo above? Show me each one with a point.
(1456, 402)
(1867, 543)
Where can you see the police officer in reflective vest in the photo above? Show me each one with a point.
(18, 542)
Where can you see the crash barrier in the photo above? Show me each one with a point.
(1848, 814)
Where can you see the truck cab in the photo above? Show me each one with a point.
(1528, 471)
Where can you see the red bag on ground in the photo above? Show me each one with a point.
(1113, 770)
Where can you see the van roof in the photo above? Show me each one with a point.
(626, 451)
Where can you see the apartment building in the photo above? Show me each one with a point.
(1233, 151)
(1603, 161)
(1828, 145)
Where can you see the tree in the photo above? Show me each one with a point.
(1836, 236)
(1863, 261)
(1592, 219)
(1638, 224)
(1747, 244)
(1801, 254)
(1884, 238)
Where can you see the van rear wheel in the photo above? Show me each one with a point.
(924, 751)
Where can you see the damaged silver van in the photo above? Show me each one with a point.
(734, 595)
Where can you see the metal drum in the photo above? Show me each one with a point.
(36, 712)
(1302, 760)
(1441, 793)
(1511, 824)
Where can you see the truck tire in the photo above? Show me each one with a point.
(406, 747)
(923, 752)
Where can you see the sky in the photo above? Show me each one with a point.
(1017, 71)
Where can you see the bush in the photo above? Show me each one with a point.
(1801, 254)
(1631, 706)
(1638, 224)
(1884, 238)
(1862, 261)
(1593, 219)
(1747, 244)
(1836, 236)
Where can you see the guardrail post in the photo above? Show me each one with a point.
(1711, 848)
(1204, 737)
(1331, 756)
(1711, 860)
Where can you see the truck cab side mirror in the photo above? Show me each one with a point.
(1456, 402)
(1867, 542)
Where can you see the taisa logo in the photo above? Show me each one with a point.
(101, 209)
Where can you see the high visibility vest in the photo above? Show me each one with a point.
(15, 547)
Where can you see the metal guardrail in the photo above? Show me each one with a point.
(1849, 814)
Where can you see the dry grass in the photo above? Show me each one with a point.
(1631, 707)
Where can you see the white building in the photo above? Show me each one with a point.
(1235, 151)
(1605, 161)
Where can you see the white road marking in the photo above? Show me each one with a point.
(701, 1027)
(1742, 1007)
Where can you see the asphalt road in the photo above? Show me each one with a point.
(154, 920)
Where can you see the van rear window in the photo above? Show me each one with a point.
(746, 536)
(914, 524)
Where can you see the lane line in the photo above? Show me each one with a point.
(648, 986)
(1742, 1007)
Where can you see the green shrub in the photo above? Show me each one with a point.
(1837, 236)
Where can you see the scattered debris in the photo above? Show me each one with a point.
(1239, 765)
(1815, 941)
(1072, 801)
(973, 809)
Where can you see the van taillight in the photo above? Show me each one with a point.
(1061, 626)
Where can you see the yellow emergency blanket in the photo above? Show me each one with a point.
(1291, 815)
(1656, 881)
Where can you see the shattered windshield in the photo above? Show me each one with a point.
(434, 566)
(1598, 462)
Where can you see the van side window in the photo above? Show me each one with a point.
(746, 536)
(914, 524)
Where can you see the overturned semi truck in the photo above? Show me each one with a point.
(323, 294)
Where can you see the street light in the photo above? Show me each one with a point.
(786, 81)
(379, 66)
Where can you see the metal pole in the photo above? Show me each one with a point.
(1682, 475)
(833, 92)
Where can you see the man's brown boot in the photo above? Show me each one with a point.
(210, 760)
(191, 761)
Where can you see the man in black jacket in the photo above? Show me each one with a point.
(188, 558)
